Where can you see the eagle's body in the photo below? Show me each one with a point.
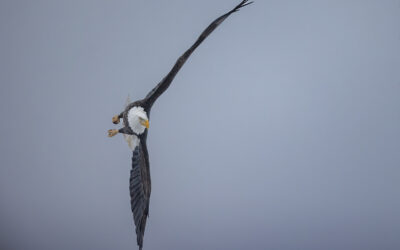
(136, 118)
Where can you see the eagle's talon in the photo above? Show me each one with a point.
(115, 119)
(112, 132)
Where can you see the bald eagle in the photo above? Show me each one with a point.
(135, 126)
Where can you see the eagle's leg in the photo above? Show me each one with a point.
(127, 131)
(124, 130)
(116, 118)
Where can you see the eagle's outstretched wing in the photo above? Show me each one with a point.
(166, 81)
(140, 184)
(140, 189)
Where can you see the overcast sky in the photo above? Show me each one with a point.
(280, 132)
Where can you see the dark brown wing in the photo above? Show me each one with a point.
(140, 189)
(164, 84)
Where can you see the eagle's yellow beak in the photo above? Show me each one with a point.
(145, 123)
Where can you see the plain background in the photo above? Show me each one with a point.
(280, 132)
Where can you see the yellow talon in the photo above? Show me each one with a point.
(112, 132)
(115, 119)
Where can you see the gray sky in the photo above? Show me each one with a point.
(280, 132)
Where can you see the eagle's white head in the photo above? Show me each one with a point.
(138, 120)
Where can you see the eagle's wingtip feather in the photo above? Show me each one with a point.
(241, 5)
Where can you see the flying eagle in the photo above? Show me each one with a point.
(136, 123)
